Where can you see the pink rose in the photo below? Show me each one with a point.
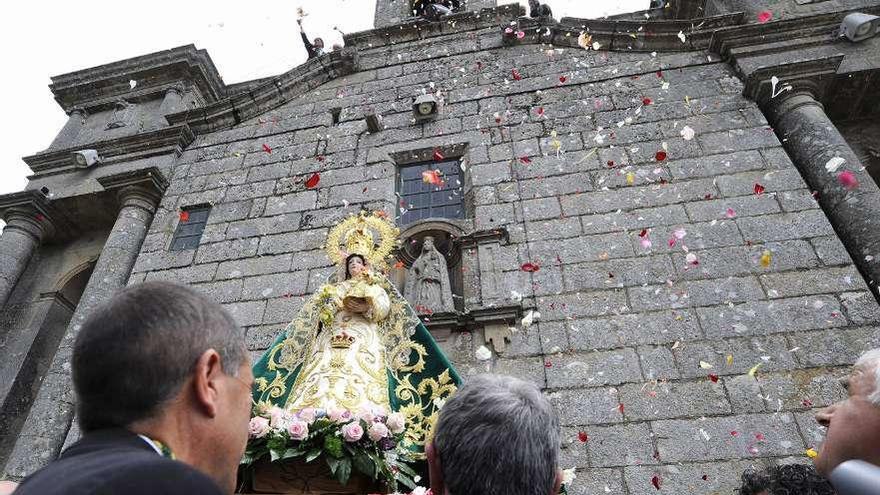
(339, 415)
(298, 430)
(396, 423)
(352, 432)
(307, 415)
(258, 427)
(279, 418)
(377, 432)
(366, 413)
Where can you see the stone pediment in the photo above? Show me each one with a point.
(98, 87)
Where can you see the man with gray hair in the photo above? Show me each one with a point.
(496, 435)
(854, 423)
(163, 383)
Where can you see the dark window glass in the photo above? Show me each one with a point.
(420, 200)
(190, 228)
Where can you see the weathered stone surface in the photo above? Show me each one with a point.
(648, 266)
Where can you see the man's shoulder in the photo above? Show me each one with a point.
(130, 472)
(161, 475)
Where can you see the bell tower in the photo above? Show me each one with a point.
(391, 12)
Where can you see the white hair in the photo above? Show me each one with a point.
(870, 361)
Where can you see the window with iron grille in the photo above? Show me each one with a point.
(190, 228)
(430, 190)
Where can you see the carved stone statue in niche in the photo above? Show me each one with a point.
(427, 283)
(121, 115)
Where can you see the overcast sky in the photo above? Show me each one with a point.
(246, 40)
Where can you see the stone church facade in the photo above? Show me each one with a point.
(671, 224)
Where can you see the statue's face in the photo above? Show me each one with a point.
(355, 266)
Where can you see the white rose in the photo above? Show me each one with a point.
(396, 423)
(377, 432)
(258, 427)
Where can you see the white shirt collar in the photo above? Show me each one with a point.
(151, 444)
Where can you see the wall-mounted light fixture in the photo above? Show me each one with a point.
(86, 158)
(426, 107)
(859, 27)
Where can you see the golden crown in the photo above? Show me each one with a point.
(356, 233)
(341, 341)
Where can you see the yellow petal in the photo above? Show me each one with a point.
(630, 178)
(754, 369)
(730, 359)
(765, 259)
(812, 454)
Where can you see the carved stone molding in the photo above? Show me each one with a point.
(143, 145)
(271, 94)
(623, 35)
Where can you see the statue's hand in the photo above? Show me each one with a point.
(355, 304)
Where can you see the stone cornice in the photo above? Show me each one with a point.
(798, 31)
(151, 179)
(808, 81)
(159, 142)
(418, 28)
(45, 220)
(625, 35)
(185, 63)
(271, 94)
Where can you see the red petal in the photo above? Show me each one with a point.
(530, 267)
(583, 437)
(516, 75)
(562, 79)
(620, 407)
(655, 480)
(266, 148)
(525, 160)
(660, 156)
(438, 156)
(764, 16)
(548, 364)
(313, 180)
(646, 101)
(540, 110)
(643, 233)
(399, 264)
(848, 180)
(184, 216)
(714, 378)
(320, 158)
(759, 189)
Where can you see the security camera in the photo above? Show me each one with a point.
(86, 158)
(425, 107)
(859, 27)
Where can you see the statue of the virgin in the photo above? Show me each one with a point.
(357, 343)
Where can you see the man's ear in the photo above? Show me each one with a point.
(206, 382)
(557, 485)
(435, 473)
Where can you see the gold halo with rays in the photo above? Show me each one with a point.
(360, 226)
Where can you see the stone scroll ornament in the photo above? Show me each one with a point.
(427, 282)
(331, 357)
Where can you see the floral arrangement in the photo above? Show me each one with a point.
(330, 302)
(369, 441)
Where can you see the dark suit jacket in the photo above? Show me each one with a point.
(115, 461)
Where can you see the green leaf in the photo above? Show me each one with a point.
(313, 454)
(343, 472)
(406, 480)
(275, 454)
(292, 452)
(364, 464)
(406, 469)
(332, 463)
